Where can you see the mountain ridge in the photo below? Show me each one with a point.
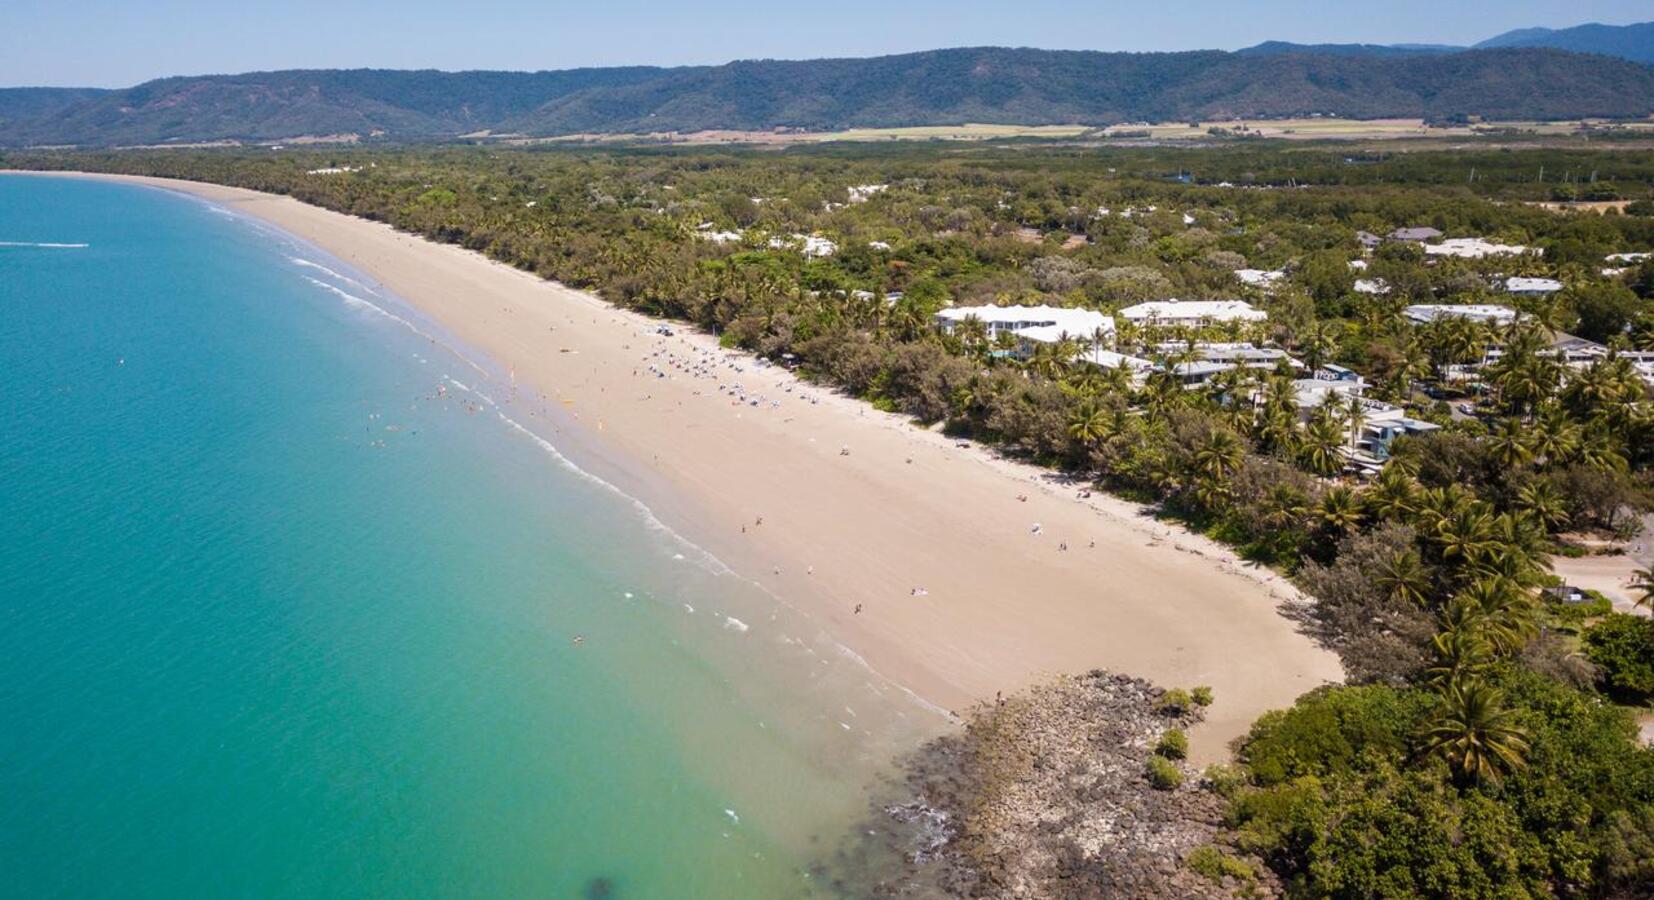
(939, 87)
(1633, 42)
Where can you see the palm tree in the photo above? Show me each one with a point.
(973, 337)
(1085, 381)
(1510, 445)
(1048, 360)
(1600, 451)
(1551, 437)
(1461, 653)
(1355, 416)
(1393, 493)
(1642, 584)
(1162, 391)
(1466, 535)
(1474, 732)
(1340, 509)
(1221, 456)
(1412, 366)
(1320, 343)
(1321, 443)
(1545, 503)
(1403, 577)
(1285, 507)
(1498, 610)
(1089, 424)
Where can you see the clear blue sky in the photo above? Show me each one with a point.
(111, 44)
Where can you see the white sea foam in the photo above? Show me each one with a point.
(369, 305)
(707, 561)
(44, 244)
(298, 261)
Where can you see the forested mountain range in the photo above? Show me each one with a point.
(986, 84)
(1633, 42)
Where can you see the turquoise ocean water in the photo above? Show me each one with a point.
(289, 609)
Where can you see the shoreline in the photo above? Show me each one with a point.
(849, 540)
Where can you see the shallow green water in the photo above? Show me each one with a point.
(287, 610)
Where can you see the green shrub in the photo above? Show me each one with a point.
(1623, 646)
(1164, 774)
(1578, 613)
(1174, 744)
(1333, 731)
(1213, 864)
(1225, 779)
(1175, 702)
(1202, 695)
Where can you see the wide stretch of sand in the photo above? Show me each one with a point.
(906, 508)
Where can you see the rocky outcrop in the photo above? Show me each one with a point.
(1046, 794)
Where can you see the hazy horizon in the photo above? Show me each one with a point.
(109, 45)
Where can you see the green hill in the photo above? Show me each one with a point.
(986, 84)
(1633, 42)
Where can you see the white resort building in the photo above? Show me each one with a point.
(1475, 312)
(1258, 277)
(1531, 287)
(1192, 312)
(1212, 358)
(1476, 248)
(1041, 323)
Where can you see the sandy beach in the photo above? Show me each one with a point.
(918, 554)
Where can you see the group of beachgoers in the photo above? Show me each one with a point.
(711, 365)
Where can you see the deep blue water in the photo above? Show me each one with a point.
(279, 617)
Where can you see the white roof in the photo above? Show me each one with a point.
(1313, 392)
(1532, 285)
(1030, 321)
(1186, 310)
(1108, 359)
(1627, 257)
(1372, 286)
(1258, 277)
(1475, 248)
(861, 193)
(807, 244)
(1050, 334)
(1484, 312)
